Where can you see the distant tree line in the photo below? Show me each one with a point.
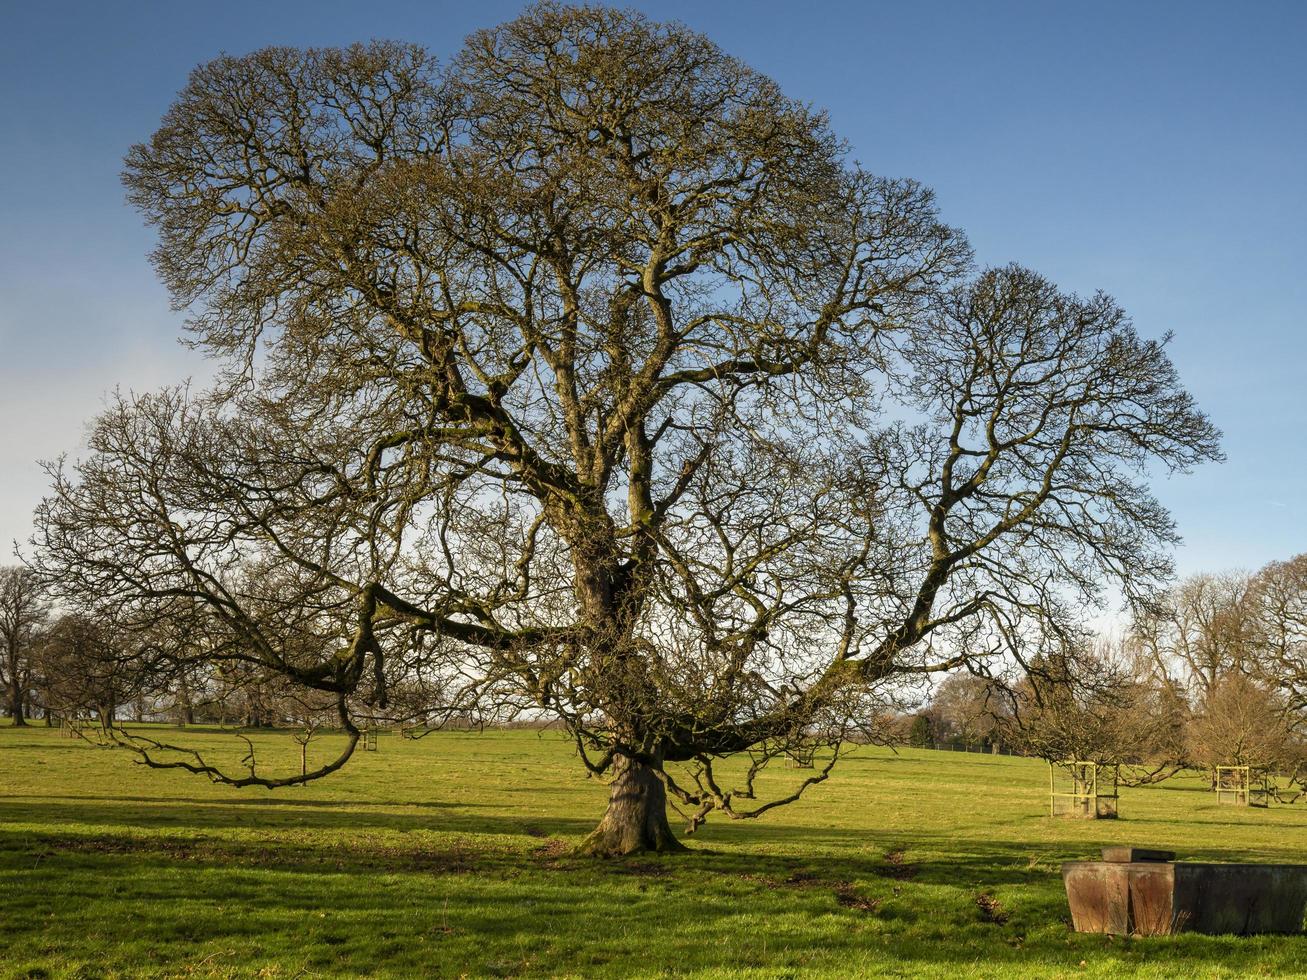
(80, 664)
(1213, 673)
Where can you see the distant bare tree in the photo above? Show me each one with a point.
(1280, 609)
(1236, 646)
(24, 607)
(1243, 723)
(968, 708)
(589, 378)
(1101, 705)
(88, 668)
(1202, 630)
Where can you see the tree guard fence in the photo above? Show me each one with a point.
(1085, 790)
(1242, 786)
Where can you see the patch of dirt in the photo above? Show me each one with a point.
(796, 879)
(850, 899)
(897, 866)
(551, 850)
(991, 909)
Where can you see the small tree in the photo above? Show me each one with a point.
(921, 733)
(1242, 723)
(1100, 706)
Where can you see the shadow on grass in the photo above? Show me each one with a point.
(132, 884)
(337, 835)
(476, 906)
(340, 891)
(248, 801)
(133, 816)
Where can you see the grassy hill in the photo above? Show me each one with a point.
(448, 857)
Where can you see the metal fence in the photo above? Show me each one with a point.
(976, 749)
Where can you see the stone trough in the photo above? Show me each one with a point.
(1141, 892)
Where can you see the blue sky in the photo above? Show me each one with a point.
(1157, 151)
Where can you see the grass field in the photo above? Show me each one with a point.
(448, 857)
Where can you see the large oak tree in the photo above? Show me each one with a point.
(587, 376)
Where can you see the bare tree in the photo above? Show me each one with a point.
(1243, 723)
(1204, 629)
(969, 708)
(1234, 644)
(1279, 601)
(587, 377)
(1101, 704)
(88, 669)
(24, 607)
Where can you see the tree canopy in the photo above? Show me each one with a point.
(587, 376)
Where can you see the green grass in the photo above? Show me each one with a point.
(447, 857)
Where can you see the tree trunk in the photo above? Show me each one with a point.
(186, 715)
(16, 705)
(636, 820)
